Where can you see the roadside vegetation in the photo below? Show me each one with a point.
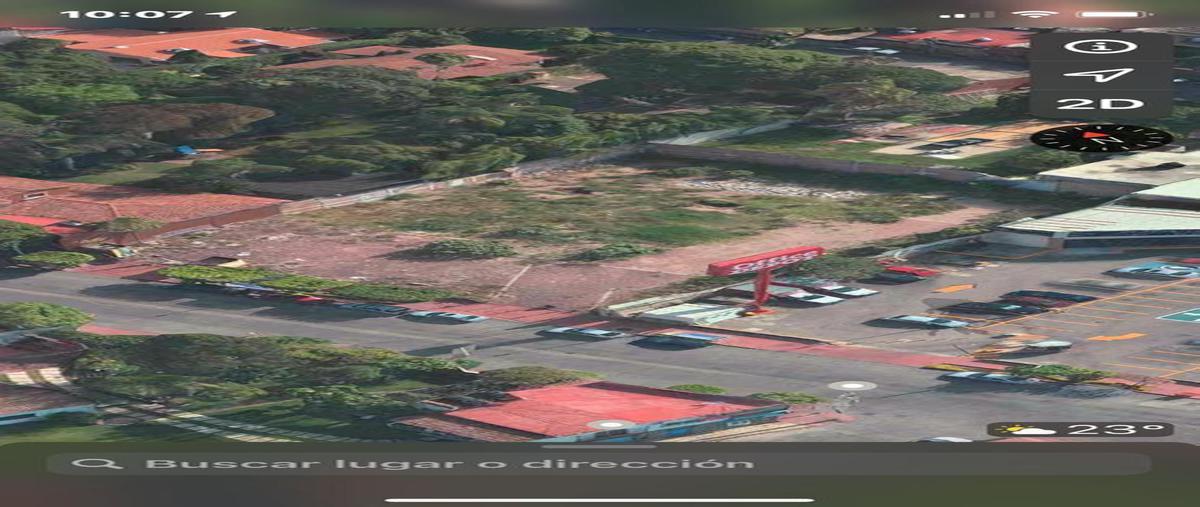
(303, 284)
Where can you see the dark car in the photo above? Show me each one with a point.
(1042, 302)
(1001, 308)
(890, 278)
(1078, 298)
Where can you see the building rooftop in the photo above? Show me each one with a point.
(1113, 217)
(86, 202)
(466, 429)
(1186, 189)
(370, 51)
(564, 410)
(1143, 168)
(50, 225)
(158, 46)
(484, 61)
(982, 37)
(19, 400)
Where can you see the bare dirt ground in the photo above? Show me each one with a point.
(692, 260)
(329, 244)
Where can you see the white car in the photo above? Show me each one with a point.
(927, 321)
(810, 298)
(586, 332)
(999, 378)
(451, 316)
(834, 289)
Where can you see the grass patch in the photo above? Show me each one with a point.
(289, 416)
(49, 432)
(135, 173)
(632, 209)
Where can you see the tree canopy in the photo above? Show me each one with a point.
(32, 315)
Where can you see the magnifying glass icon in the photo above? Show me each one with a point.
(96, 463)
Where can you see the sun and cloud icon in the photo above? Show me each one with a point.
(1023, 430)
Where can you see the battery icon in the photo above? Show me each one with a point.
(1112, 14)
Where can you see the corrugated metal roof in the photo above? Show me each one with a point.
(1187, 189)
(1112, 217)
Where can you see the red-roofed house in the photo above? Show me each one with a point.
(597, 411)
(968, 42)
(27, 404)
(145, 46)
(62, 201)
(370, 51)
(484, 61)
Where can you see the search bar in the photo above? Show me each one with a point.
(595, 463)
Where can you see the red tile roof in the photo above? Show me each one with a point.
(18, 400)
(999, 38)
(466, 429)
(86, 202)
(485, 61)
(370, 51)
(143, 44)
(564, 410)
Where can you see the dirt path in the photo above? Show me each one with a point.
(693, 260)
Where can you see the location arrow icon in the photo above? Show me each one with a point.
(1101, 76)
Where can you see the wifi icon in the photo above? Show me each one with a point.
(1035, 14)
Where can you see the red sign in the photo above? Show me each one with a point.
(764, 261)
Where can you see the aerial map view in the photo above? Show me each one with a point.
(311, 234)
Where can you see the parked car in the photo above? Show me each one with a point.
(1092, 283)
(914, 270)
(922, 320)
(1164, 272)
(946, 440)
(809, 298)
(1064, 296)
(374, 308)
(1186, 260)
(978, 376)
(834, 289)
(892, 278)
(1042, 302)
(586, 332)
(460, 318)
(993, 308)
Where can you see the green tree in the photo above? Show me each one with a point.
(303, 283)
(793, 398)
(853, 97)
(216, 274)
(442, 61)
(532, 376)
(838, 267)
(30, 315)
(95, 366)
(17, 236)
(55, 259)
(129, 224)
(464, 249)
(169, 122)
(59, 99)
(1058, 372)
(230, 358)
(698, 388)
(345, 400)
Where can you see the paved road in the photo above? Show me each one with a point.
(910, 403)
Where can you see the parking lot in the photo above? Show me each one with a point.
(1138, 332)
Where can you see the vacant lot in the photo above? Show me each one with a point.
(684, 222)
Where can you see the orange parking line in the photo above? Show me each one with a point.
(1146, 367)
(1169, 300)
(1089, 324)
(1115, 311)
(1091, 316)
(1163, 360)
(1169, 375)
(1134, 304)
(1176, 353)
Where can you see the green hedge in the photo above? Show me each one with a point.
(217, 274)
(304, 283)
(55, 260)
(390, 293)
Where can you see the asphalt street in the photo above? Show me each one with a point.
(909, 403)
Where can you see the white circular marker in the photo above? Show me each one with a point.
(853, 385)
(611, 424)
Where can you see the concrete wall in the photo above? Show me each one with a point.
(1096, 188)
